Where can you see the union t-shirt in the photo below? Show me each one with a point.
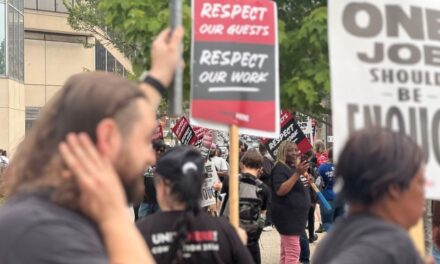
(210, 240)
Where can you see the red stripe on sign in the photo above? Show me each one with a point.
(249, 114)
(304, 146)
(239, 21)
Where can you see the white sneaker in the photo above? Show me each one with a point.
(267, 228)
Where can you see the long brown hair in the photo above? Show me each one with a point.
(282, 151)
(79, 106)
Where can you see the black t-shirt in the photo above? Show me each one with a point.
(267, 169)
(150, 188)
(35, 230)
(289, 212)
(365, 239)
(211, 240)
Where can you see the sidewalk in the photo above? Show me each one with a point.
(270, 247)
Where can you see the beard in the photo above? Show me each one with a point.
(132, 179)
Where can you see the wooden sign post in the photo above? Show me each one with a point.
(233, 175)
(417, 235)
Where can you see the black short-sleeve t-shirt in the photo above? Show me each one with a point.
(289, 212)
(35, 230)
(211, 240)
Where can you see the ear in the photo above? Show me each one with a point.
(108, 138)
(394, 192)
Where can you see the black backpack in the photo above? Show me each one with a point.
(250, 203)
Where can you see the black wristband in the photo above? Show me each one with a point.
(153, 82)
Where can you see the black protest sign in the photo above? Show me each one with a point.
(184, 132)
(290, 131)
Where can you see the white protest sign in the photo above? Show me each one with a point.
(385, 71)
(208, 196)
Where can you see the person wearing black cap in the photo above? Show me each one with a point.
(181, 232)
(149, 204)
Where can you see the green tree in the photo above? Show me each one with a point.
(304, 70)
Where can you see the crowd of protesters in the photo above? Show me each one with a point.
(68, 203)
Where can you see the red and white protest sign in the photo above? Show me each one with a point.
(291, 131)
(200, 131)
(235, 66)
(184, 132)
(158, 133)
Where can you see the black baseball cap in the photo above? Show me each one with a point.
(178, 161)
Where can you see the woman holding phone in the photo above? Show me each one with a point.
(290, 200)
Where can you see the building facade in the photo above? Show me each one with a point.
(12, 101)
(41, 51)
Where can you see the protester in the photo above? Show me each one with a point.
(253, 200)
(4, 157)
(75, 211)
(149, 204)
(181, 232)
(4, 162)
(220, 163)
(265, 177)
(383, 182)
(290, 200)
(436, 231)
(243, 147)
(320, 152)
(304, 240)
(326, 171)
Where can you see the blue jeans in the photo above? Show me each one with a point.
(305, 248)
(329, 216)
(436, 254)
(146, 209)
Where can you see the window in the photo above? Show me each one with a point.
(119, 68)
(60, 7)
(46, 5)
(31, 115)
(100, 61)
(11, 38)
(30, 4)
(13, 44)
(105, 61)
(2, 39)
(21, 48)
(110, 63)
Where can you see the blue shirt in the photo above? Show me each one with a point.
(327, 172)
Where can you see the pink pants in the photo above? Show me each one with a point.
(290, 249)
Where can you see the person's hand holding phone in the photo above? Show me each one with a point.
(302, 165)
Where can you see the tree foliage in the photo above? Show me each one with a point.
(304, 69)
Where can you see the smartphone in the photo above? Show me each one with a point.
(304, 158)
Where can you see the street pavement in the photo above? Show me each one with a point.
(270, 247)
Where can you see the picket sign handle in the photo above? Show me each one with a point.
(417, 235)
(175, 97)
(321, 197)
(233, 176)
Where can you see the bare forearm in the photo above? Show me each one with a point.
(124, 243)
(288, 185)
